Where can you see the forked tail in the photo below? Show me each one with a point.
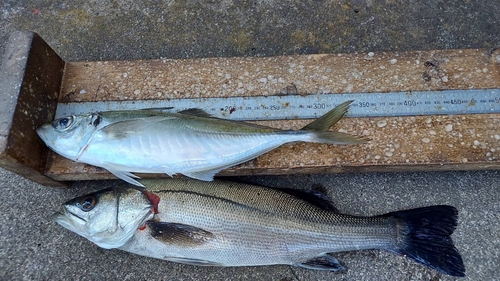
(321, 125)
(425, 238)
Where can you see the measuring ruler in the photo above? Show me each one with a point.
(276, 107)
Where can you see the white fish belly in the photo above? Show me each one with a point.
(253, 226)
(180, 152)
(254, 246)
(225, 249)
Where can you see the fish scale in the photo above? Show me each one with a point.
(188, 139)
(302, 225)
(223, 223)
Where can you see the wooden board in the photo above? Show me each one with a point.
(30, 78)
(34, 79)
(459, 142)
(252, 76)
(397, 144)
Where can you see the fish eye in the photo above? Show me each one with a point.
(87, 203)
(63, 123)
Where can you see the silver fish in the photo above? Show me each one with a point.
(188, 142)
(236, 224)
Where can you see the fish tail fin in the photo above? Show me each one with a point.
(336, 138)
(329, 119)
(425, 238)
(321, 125)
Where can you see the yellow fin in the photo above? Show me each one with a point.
(328, 119)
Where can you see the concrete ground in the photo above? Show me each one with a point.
(35, 248)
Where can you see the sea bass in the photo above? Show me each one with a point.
(188, 142)
(222, 223)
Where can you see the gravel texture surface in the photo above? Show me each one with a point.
(33, 247)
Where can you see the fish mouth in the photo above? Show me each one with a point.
(41, 131)
(68, 220)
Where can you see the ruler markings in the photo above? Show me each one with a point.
(448, 102)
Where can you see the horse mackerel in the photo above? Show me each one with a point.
(188, 142)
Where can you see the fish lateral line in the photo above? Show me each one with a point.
(422, 234)
(245, 206)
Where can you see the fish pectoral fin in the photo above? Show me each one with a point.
(197, 262)
(203, 175)
(324, 262)
(126, 176)
(133, 127)
(179, 234)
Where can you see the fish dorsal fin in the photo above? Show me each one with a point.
(160, 109)
(330, 118)
(312, 196)
(179, 234)
(195, 112)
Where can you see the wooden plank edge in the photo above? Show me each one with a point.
(30, 79)
(303, 170)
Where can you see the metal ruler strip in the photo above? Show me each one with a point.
(449, 102)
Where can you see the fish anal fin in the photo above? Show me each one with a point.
(179, 234)
(324, 262)
(203, 175)
(198, 262)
